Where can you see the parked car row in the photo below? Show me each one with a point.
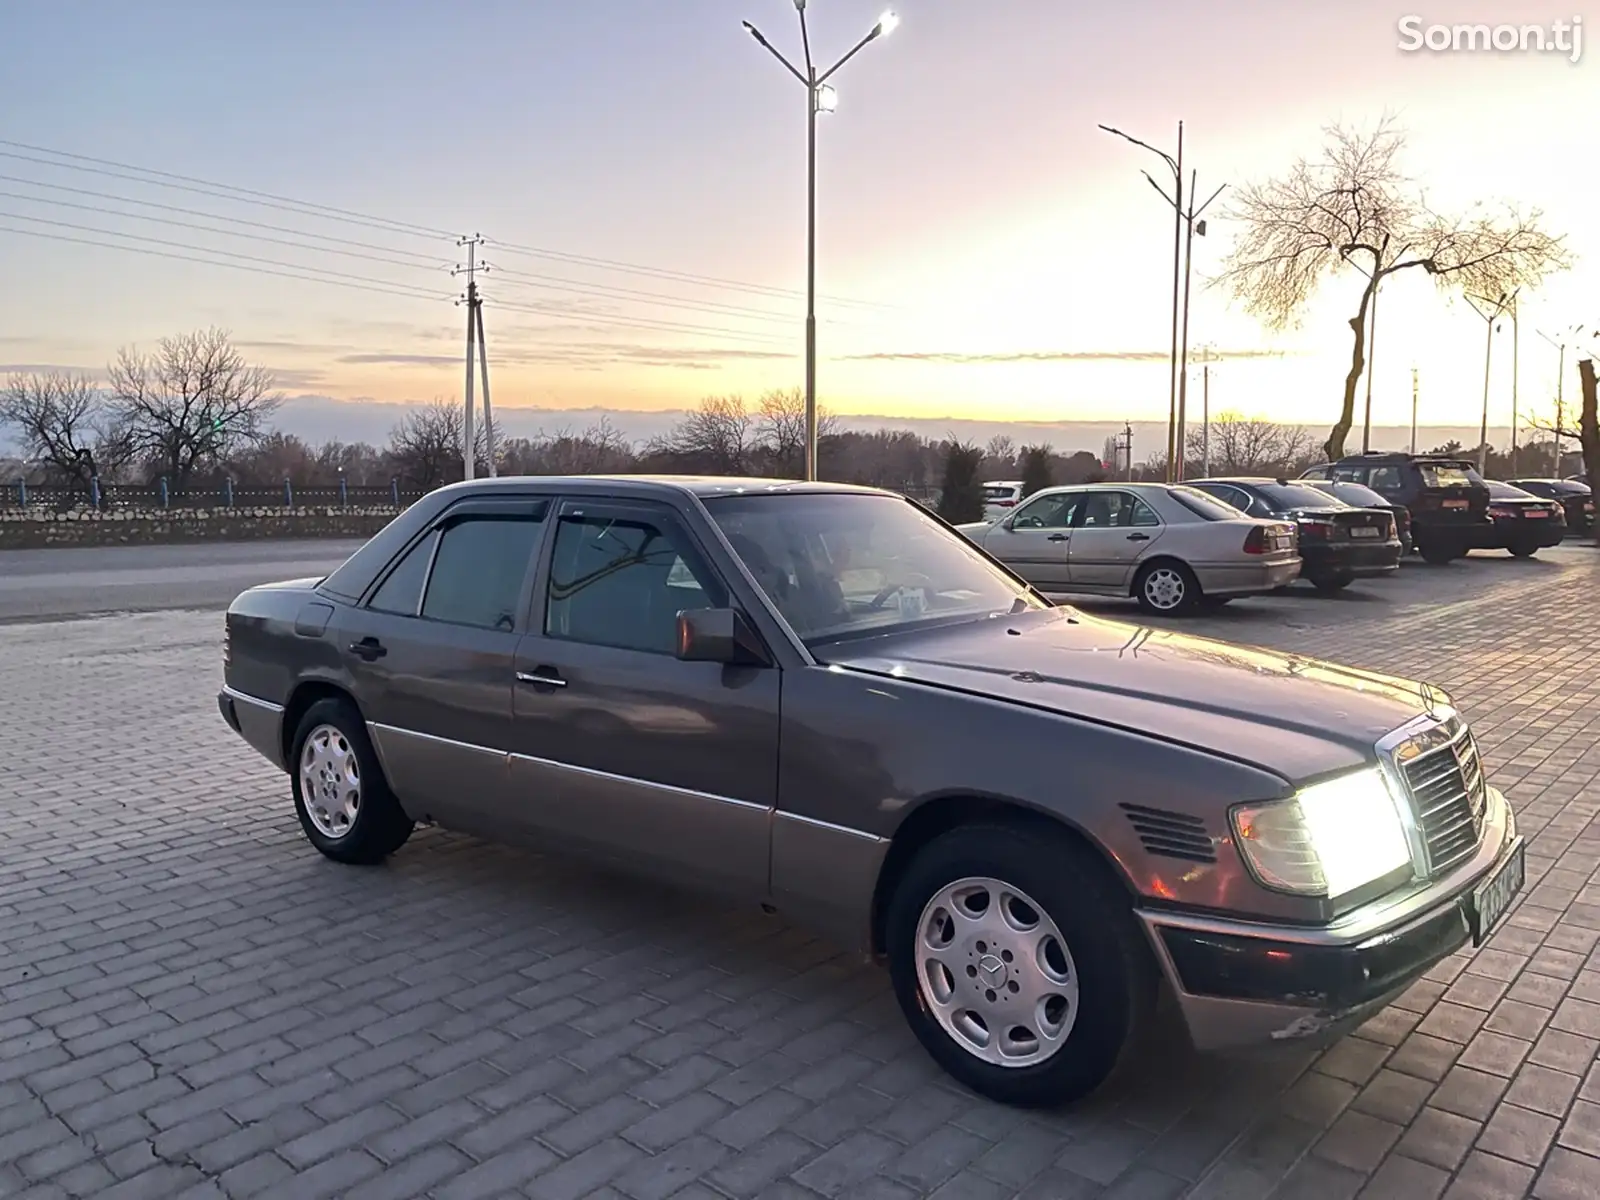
(1179, 547)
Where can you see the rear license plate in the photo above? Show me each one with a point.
(1456, 504)
(1365, 531)
(1536, 513)
(1494, 896)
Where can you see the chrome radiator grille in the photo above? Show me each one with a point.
(1448, 790)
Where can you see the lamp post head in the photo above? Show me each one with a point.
(1200, 227)
(827, 100)
(886, 24)
(800, 5)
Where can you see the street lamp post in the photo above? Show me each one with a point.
(819, 98)
(1496, 309)
(1187, 225)
(1560, 343)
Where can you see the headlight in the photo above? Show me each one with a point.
(1328, 839)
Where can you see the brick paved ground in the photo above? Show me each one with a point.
(193, 1003)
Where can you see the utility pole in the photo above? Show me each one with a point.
(474, 327)
(1413, 410)
(1205, 417)
(1514, 373)
(1491, 312)
(1372, 342)
(1127, 448)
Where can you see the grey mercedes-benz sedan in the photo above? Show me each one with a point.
(822, 699)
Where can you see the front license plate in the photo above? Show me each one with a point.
(1365, 531)
(1456, 504)
(1494, 895)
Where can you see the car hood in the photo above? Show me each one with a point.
(1296, 716)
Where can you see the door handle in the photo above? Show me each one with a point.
(1138, 537)
(1059, 537)
(542, 677)
(369, 648)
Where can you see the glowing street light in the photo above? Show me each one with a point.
(819, 98)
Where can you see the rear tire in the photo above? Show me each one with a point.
(1438, 551)
(1331, 583)
(340, 793)
(1054, 924)
(1166, 588)
(1523, 551)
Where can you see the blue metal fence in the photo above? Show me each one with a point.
(162, 496)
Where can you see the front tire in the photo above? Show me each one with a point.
(1017, 963)
(340, 793)
(1438, 551)
(1523, 551)
(1166, 588)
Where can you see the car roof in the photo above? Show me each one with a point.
(703, 486)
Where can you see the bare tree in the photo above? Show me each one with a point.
(1353, 207)
(1250, 446)
(714, 438)
(1589, 427)
(426, 447)
(599, 449)
(62, 421)
(780, 429)
(191, 404)
(1000, 457)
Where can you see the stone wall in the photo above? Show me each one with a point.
(31, 528)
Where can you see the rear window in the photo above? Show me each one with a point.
(1505, 491)
(999, 492)
(1203, 505)
(1448, 475)
(1355, 493)
(1294, 495)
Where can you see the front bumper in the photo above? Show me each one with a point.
(258, 722)
(1244, 983)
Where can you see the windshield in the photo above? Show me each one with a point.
(1203, 505)
(839, 564)
(1504, 491)
(1358, 494)
(1448, 475)
(1294, 495)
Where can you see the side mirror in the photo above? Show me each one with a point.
(720, 635)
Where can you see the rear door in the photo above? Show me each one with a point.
(1112, 532)
(430, 658)
(1034, 543)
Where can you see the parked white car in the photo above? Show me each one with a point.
(1170, 547)
(1000, 497)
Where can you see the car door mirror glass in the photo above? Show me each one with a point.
(720, 635)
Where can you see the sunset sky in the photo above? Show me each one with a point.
(983, 248)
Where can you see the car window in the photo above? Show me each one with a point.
(1000, 491)
(1385, 479)
(1203, 505)
(1292, 495)
(622, 581)
(478, 571)
(1318, 472)
(837, 565)
(1047, 512)
(401, 592)
(1227, 493)
(1448, 475)
(1143, 514)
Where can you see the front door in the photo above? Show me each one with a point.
(431, 655)
(1114, 531)
(620, 749)
(1033, 543)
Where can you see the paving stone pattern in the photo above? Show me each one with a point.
(195, 1004)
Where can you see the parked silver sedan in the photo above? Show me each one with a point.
(1170, 547)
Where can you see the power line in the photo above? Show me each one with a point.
(606, 291)
(211, 262)
(255, 237)
(338, 213)
(744, 335)
(189, 183)
(139, 237)
(195, 212)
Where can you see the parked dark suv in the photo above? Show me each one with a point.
(1447, 498)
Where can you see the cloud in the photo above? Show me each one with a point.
(402, 360)
(24, 368)
(282, 344)
(292, 377)
(1041, 356)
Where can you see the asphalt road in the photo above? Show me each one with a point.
(51, 584)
